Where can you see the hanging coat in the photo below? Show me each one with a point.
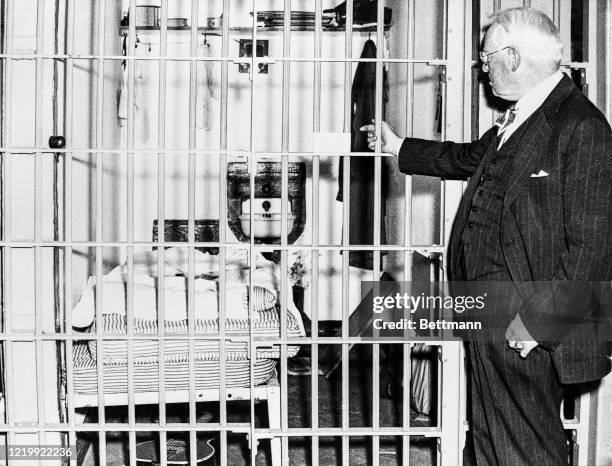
(363, 105)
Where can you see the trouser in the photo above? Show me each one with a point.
(515, 407)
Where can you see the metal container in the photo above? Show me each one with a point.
(147, 16)
(178, 22)
(266, 210)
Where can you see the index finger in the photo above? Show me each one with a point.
(367, 128)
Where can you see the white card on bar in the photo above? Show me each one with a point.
(331, 142)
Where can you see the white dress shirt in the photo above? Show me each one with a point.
(529, 103)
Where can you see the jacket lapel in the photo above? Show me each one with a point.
(526, 150)
(530, 145)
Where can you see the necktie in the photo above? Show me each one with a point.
(505, 120)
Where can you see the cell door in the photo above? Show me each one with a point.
(191, 234)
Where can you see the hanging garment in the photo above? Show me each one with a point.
(139, 108)
(122, 110)
(363, 104)
(208, 89)
(141, 114)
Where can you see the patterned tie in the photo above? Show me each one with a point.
(505, 120)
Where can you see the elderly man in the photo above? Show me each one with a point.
(537, 209)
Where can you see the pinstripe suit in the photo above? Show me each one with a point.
(555, 228)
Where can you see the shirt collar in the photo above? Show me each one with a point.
(531, 101)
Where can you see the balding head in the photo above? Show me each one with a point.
(532, 33)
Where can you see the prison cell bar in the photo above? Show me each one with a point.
(67, 233)
(376, 263)
(7, 234)
(191, 229)
(130, 238)
(161, 229)
(346, 219)
(314, 306)
(259, 247)
(234, 153)
(240, 428)
(497, 6)
(591, 53)
(222, 232)
(557, 13)
(408, 254)
(450, 401)
(38, 210)
(459, 187)
(284, 240)
(251, 256)
(605, 390)
(186, 58)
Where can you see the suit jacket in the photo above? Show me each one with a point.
(556, 230)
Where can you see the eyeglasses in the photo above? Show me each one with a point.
(484, 57)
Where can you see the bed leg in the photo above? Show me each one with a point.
(274, 419)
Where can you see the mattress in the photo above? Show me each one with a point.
(145, 377)
(263, 320)
(266, 327)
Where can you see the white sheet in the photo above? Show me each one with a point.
(146, 286)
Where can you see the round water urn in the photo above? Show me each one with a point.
(266, 209)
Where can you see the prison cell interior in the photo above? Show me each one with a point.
(139, 311)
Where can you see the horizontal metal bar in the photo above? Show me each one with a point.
(216, 153)
(567, 64)
(258, 342)
(122, 427)
(424, 249)
(257, 60)
(30, 337)
(261, 432)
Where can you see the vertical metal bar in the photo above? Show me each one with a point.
(314, 310)
(284, 211)
(58, 310)
(451, 358)
(592, 52)
(557, 13)
(346, 198)
(378, 116)
(444, 125)
(130, 234)
(222, 231)
(191, 227)
(68, 214)
(451, 365)
(252, 174)
(99, 164)
(408, 255)
(161, 228)
(7, 292)
(38, 218)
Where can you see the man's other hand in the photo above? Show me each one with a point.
(519, 338)
(390, 141)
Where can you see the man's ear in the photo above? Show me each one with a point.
(515, 58)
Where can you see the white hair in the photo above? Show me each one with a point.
(533, 33)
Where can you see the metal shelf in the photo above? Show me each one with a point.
(243, 29)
